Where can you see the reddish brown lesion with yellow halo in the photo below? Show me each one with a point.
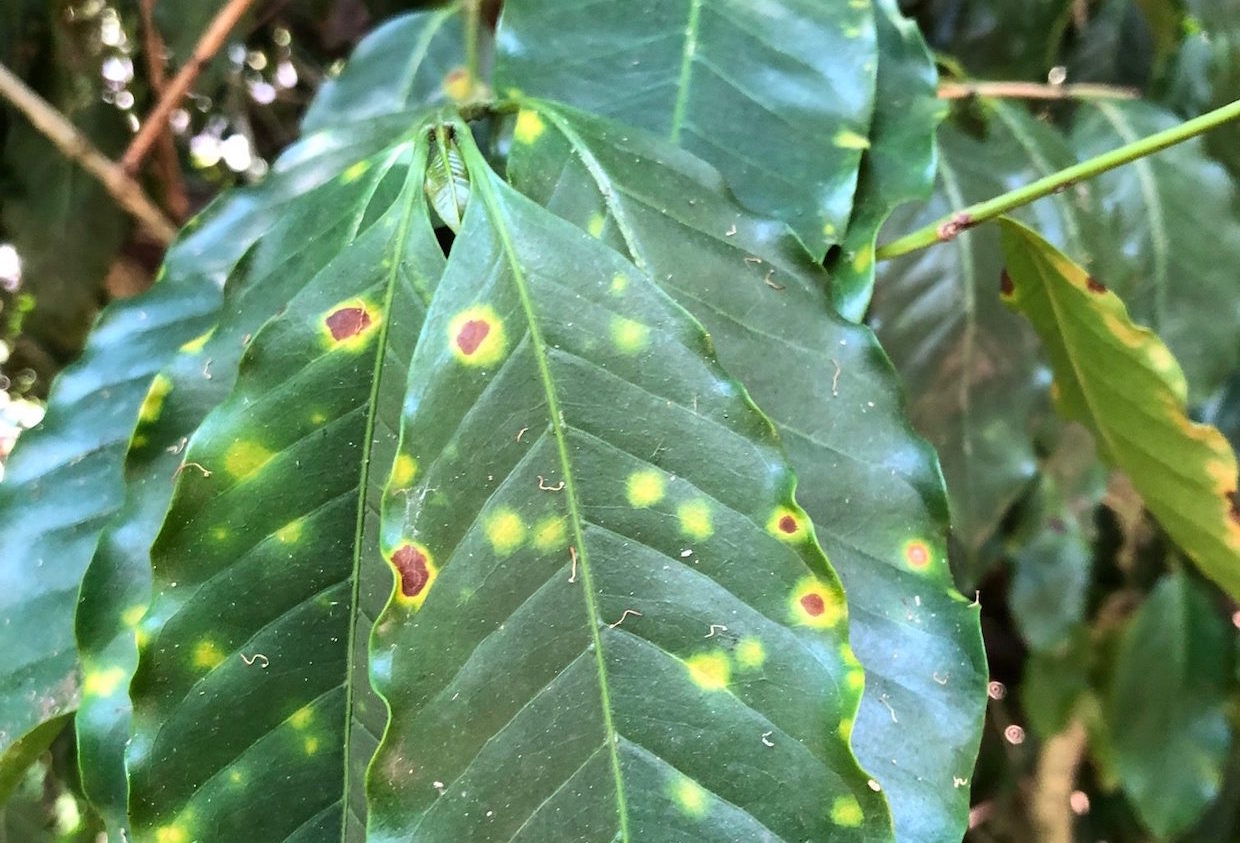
(476, 336)
(350, 324)
(817, 604)
(415, 573)
(788, 524)
(917, 554)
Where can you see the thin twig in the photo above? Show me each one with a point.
(206, 48)
(75, 146)
(1034, 91)
(169, 164)
(949, 227)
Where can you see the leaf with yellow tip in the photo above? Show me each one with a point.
(1120, 381)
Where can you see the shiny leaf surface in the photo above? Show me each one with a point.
(611, 618)
(1120, 381)
(273, 690)
(1170, 694)
(870, 485)
(777, 95)
(899, 164)
(971, 367)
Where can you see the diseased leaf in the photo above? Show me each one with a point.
(273, 690)
(1170, 695)
(971, 368)
(1174, 217)
(871, 486)
(1122, 383)
(411, 61)
(611, 621)
(899, 164)
(778, 95)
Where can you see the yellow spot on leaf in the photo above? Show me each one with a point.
(788, 524)
(690, 796)
(102, 683)
(829, 230)
(854, 680)
(244, 457)
(291, 531)
(846, 811)
(207, 655)
(710, 671)
(645, 488)
(848, 139)
(197, 343)
(236, 776)
(476, 336)
(863, 259)
(596, 225)
(132, 616)
(311, 745)
(354, 172)
(551, 533)
(403, 471)
(301, 718)
(220, 533)
(629, 336)
(619, 284)
(695, 520)
(845, 729)
(171, 834)
(750, 654)
(505, 530)
(458, 84)
(529, 127)
(154, 401)
(816, 604)
(318, 417)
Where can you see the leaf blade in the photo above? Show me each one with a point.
(1185, 472)
(512, 642)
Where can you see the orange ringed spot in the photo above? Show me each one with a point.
(1006, 287)
(347, 322)
(917, 554)
(1094, 285)
(817, 604)
(788, 524)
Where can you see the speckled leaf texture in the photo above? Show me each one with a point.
(870, 485)
(778, 95)
(611, 620)
(253, 648)
(976, 385)
(898, 166)
(1120, 381)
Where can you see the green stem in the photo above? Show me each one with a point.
(948, 227)
(473, 15)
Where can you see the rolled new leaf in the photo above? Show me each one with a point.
(1121, 381)
(611, 619)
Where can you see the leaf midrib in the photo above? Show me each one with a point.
(413, 194)
(486, 193)
(686, 70)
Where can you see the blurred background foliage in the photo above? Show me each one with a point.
(1116, 687)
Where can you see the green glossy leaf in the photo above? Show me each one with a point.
(899, 165)
(272, 689)
(310, 233)
(870, 485)
(1170, 693)
(1174, 216)
(411, 61)
(17, 762)
(611, 621)
(777, 95)
(971, 368)
(1121, 382)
